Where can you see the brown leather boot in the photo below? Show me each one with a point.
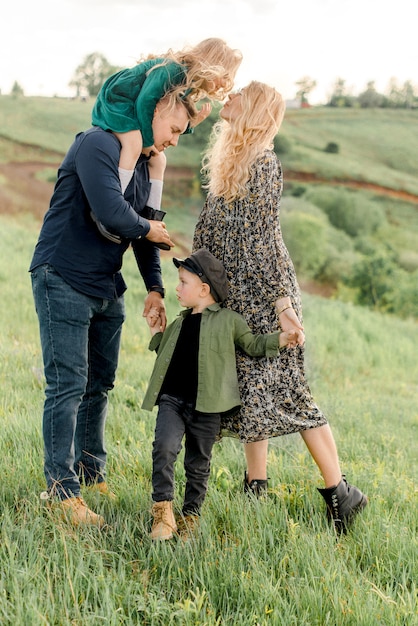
(76, 511)
(164, 524)
(188, 526)
(343, 503)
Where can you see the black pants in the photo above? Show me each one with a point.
(176, 419)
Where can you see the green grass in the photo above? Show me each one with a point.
(255, 563)
(50, 123)
(376, 145)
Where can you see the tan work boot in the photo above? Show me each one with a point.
(164, 524)
(102, 489)
(187, 527)
(76, 511)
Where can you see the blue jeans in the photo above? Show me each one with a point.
(175, 420)
(80, 337)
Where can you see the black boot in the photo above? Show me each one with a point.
(343, 503)
(256, 487)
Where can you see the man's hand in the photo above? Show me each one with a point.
(158, 233)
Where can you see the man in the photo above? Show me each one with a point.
(78, 291)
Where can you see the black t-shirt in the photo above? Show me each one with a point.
(181, 378)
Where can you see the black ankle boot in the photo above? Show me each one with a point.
(256, 487)
(343, 503)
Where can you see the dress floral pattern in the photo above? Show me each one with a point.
(246, 236)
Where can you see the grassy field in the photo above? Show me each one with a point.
(255, 563)
(376, 145)
(271, 563)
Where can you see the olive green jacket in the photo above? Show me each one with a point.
(221, 331)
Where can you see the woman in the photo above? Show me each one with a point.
(240, 225)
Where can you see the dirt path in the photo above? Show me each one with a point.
(303, 177)
(21, 191)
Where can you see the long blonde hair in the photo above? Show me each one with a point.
(235, 145)
(208, 63)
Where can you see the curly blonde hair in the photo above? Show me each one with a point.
(211, 68)
(235, 145)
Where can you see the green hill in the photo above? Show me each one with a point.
(375, 145)
(350, 215)
(252, 562)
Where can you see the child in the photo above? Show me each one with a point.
(127, 100)
(194, 380)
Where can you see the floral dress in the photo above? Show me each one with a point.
(246, 236)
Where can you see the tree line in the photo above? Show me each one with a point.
(91, 73)
(397, 96)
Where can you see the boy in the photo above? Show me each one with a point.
(194, 380)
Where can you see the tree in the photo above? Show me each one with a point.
(16, 90)
(90, 75)
(339, 96)
(408, 93)
(306, 85)
(401, 97)
(370, 98)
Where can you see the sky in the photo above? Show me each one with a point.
(43, 42)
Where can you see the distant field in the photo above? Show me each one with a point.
(376, 145)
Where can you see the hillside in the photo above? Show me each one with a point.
(378, 149)
(352, 213)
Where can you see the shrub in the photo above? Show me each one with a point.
(348, 210)
(374, 277)
(408, 260)
(282, 145)
(295, 190)
(341, 258)
(305, 234)
(332, 148)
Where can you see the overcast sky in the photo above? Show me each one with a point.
(42, 42)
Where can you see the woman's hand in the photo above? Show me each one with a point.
(288, 319)
(292, 338)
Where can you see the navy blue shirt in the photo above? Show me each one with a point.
(88, 181)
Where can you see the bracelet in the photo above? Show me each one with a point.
(157, 289)
(284, 308)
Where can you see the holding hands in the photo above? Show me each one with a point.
(154, 321)
(292, 338)
(289, 321)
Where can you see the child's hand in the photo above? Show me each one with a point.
(202, 114)
(154, 321)
(292, 338)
